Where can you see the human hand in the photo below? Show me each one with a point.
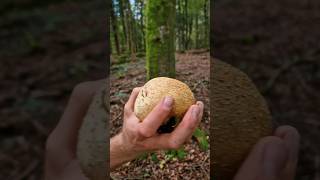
(60, 159)
(138, 137)
(273, 157)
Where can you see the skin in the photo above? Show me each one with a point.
(272, 158)
(137, 138)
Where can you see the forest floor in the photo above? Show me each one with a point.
(193, 68)
(277, 44)
(45, 51)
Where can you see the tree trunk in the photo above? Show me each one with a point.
(206, 9)
(190, 25)
(197, 32)
(185, 25)
(122, 16)
(160, 38)
(130, 29)
(180, 27)
(115, 29)
(142, 24)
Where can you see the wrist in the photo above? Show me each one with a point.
(119, 151)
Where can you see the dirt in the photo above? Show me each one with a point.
(193, 69)
(45, 51)
(276, 44)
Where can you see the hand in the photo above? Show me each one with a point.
(61, 162)
(139, 137)
(272, 158)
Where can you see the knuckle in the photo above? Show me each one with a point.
(174, 144)
(164, 110)
(271, 140)
(126, 110)
(286, 129)
(136, 89)
(126, 107)
(80, 88)
(50, 145)
(145, 132)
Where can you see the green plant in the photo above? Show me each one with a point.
(201, 138)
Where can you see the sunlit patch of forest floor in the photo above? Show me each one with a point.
(192, 67)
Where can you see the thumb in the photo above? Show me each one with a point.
(265, 162)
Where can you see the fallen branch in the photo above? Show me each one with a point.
(308, 89)
(117, 117)
(280, 71)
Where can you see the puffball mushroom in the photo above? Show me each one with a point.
(240, 118)
(158, 88)
(93, 139)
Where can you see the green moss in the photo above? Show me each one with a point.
(160, 38)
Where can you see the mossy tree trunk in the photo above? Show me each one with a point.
(160, 38)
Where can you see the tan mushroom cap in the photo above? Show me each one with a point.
(158, 88)
(240, 118)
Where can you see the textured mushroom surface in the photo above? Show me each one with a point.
(156, 89)
(93, 139)
(240, 118)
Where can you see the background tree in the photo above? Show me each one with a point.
(115, 28)
(160, 38)
(129, 30)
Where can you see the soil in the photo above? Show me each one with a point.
(193, 68)
(46, 49)
(276, 44)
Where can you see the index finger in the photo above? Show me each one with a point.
(156, 117)
(189, 122)
(129, 106)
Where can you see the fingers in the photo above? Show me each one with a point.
(73, 172)
(71, 120)
(182, 132)
(156, 117)
(266, 161)
(291, 139)
(61, 143)
(187, 126)
(129, 106)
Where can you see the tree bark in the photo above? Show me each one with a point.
(130, 29)
(122, 16)
(115, 29)
(197, 32)
(142, 24)
(186, 24)
(160, 38)
(206, 9)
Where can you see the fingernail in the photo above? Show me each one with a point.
(168, 101)
(275, 158)
(195, 112)
(200, 104)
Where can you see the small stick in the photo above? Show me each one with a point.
(281, 70)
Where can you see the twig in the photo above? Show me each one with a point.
(304, 85)
(202, 166)
(117, 117)
(281, 70)
(196, 85)
(4, 157)
(37, 125)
